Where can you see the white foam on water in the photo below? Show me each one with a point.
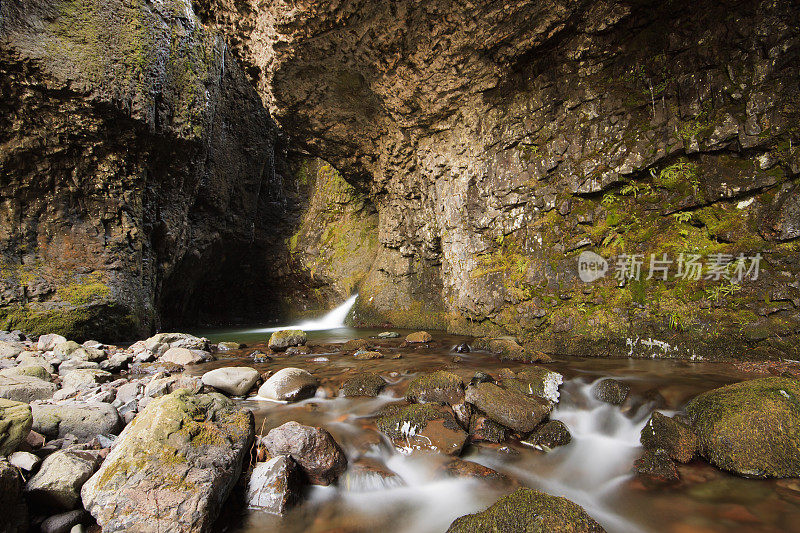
(333, 320)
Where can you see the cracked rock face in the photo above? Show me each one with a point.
(497, 141)
(137, 163)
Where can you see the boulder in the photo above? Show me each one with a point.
(64, 350)
(436, 387)
(655, 469)
(550, 435)
(12, 503)
(63, 522)
(233, 380)
(280, 340)
(355, 345)
(274, 485)
(482, 429)
(388, 335)
(750, 428)
(59, 480)
(423, 427)
(34, 359)
(84, 420)
(226, 346)
(530, 511)
(459, 468)
(25, 461)
(611, 391)
(49, 341)
(32, 371)
(85, 353)
(289, 384)
(76, 364)
(85, 378)
(419, 337)
(533, 381)
(320, 457)
(670, 435)
(366, 384)
(161, 342)
(15, 424)
(508, 349)
(185, 356)
(173, 467)
(10, 350)
(25, 388)
(511, 409)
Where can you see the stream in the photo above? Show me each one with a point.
(594, 470)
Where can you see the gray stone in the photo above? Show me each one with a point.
(274, 485)
(318, 454)
(85, 378)
(84, 420)
(24, 460)
(25, 388)
(185, 356)
(511, 409)
(65, 349)
(280, 340)
(289, 384)
(9, 350)
(236, 381)
(58, 482)
(49, 341)
(64, 522)
(34, 371)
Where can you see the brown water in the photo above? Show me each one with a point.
(594, 470)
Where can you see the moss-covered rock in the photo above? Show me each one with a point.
(15, 424)
(550, 435)
(483, 429)
(611, 391)
(750, 428)
(419, 337)
(366, 384)
(437, 387)
(670, 435)
(534, 381)
(508, 349)
(173, 467)
(530, 511)
(280, 340)
(509, 408)
(655, 469)
(34, 371)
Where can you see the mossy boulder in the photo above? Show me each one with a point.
(84, 420)
(483, 429)
(419, 337)
(356, 345)
(280, 340)
(550, 435)
(365, 384)
(367, 355)
(423, 427)
(511, 409)
(533, 381)
(750, 428)
(15, 424)
(655, 469)
(670, 435)
(173, 467)
(530, 511)
(508, 349)
(436, 387)
(611, 391)
(33, 371)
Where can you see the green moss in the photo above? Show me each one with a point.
(83, 292)
(397, 422)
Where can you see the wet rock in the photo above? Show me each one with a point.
(280, 340)
(12, 503)
(462, 348)
(550, 435)
(260, 357)
(423, 427)
(508, 349)
(85, 378)
(750, 428)
(656, 469)
(297, 350)
(670, 435)
(38, 372)
(419, 337)
(15, 423)
(358, 345)
(481, 377)
(289, 384)
(436, 387)
(173, 466)
(483, 429)
(533, 381)
(226, 346)
(185, 356)
(159, 386)
(58, 482)
(388, 335)
(84, 420)
(274, 485)
(368, 474)
(236, 381)
(320, 457)
(460, 468)
(63, 522)
(362, 355)
(49, 341)
(528, 510)
(511, 409)
(155, 368)
(366, 384)
(611, 391)
(25, 461)
(25, 388)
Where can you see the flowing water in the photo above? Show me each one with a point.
(594, 470)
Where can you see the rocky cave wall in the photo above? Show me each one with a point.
(498, 140)
(140, 175)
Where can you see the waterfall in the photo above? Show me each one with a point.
(333, 320)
